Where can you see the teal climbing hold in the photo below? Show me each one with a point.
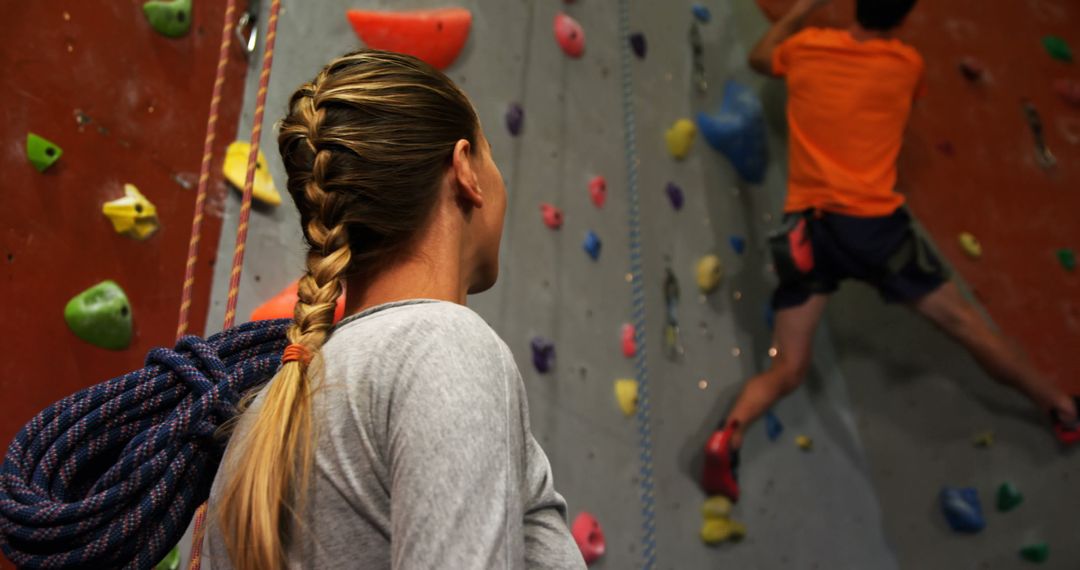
(171, 18)
(1008, 497)
(171, 560)
(1058, 48)
(1067, 258)
(41, 151)
(101, 316)
(1038, 552)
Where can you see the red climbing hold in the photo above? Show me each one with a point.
(281, 306)
(1069, 89)
(434, 36)
(552, 216)
(589, 537)
(629, 343)
(598, 191)
(569, 34)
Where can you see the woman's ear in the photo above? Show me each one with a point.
(466, 183)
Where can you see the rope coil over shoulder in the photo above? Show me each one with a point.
(110, 476)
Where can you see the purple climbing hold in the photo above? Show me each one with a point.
(773, 427)
(592, 245)
(738, 244)
(543, 354)
(515, 119)
(637, 43)
(701, 12)
(675, 194)
(962, 509)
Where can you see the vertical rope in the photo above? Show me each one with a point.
(204, 170)
(637, 297)
(242, 227)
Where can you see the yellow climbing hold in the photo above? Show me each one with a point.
(709, 272)
(133, 215)
(718, 507)
(717, 531)
(679, 138)
(626, 395)
(983, 439)
(236, 158)
(971, 246)
(804, 442)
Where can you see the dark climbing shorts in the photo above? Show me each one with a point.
(815, 251)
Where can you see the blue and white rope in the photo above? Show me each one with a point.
(637, 296)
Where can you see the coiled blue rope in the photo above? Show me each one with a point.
(110, 476)
(637, 297)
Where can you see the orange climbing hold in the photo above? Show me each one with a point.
(434, 36)
(281, 306)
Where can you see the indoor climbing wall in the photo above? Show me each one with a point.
(94, 100)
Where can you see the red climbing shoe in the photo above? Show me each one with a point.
(1066, 433)
(721, 460)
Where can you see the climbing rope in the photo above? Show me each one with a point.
(109, 477)
(637, 297)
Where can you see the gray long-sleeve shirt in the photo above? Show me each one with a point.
(424, 458)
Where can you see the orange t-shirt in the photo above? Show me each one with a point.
(848, 105)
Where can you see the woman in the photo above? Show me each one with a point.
(399, 437)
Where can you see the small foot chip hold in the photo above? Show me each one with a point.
(569, 35)
(738, 244)
(1058, 48)
(709, 273)
(971, 69)
(629, 341)
(598, 191)
(701, 12)
(101, 315)
(962, 509)
(515, 119)
(983, 439)
(1067, 259)
(589, 537)
(235, 169)
(553, 217)
(626, 395)
(170, 18)
(638, 45)
(718, 507)
(592, 245)
(133, 215)
(543, 354)
(1069, 90)
(773, 427)
(1008, 497)
(680, 137)
(41, 152)
(675, 195)
(433, 36)
(1038, 552)
(804, 442)
(970, 244)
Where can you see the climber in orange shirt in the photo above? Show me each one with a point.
(850, 93)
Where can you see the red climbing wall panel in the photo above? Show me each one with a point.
(969, 161)
(126, 105)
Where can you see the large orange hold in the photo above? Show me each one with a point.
(281, 305)
(434, 36)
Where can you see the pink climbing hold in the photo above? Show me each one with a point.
(553, 216)
(570, 36)
(629, 342)
(1069, 90)
(589, 537)
(598, 191)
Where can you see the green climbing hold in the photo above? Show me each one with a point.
(171, 560)
(1038, 552)
(1057, 48)
(1008, 497)
(170, 18)
(101, 316)
(1067, 257)
(41, 152)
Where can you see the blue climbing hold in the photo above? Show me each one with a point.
(773, 427)
(675, 195)
(738, 131)
(592, 245)
(543, 354)
(962, 509)
(701, 12)
(738, 244)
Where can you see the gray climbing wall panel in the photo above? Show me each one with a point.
(803, 510)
